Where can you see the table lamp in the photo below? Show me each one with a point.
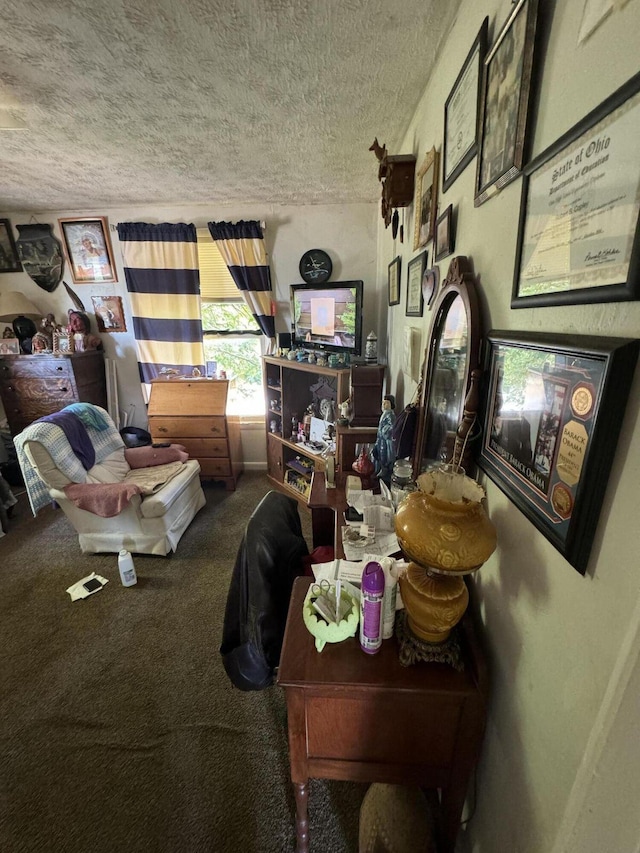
(16, 309)
(444, 530)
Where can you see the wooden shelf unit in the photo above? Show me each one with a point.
(288, 392)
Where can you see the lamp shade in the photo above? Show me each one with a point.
(15, 304)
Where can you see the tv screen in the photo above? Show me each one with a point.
(327, 316)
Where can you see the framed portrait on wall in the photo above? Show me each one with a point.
(109, 313)
(505, 102)
(88, 249)
(426, 200)
(444, 234)
(9, 260)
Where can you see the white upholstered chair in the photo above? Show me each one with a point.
(148, 524)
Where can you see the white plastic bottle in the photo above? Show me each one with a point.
(127, 569)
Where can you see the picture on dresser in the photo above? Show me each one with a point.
(9, 346)
(62, 342)
(88, 249)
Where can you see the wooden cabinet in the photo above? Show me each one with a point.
(289, 388)
(193, 413)
(32, 386)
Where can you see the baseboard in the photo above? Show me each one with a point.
(255, 466)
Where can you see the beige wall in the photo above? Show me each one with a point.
(554, 637)
(347, 232)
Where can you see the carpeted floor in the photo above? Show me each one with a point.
(119, 730)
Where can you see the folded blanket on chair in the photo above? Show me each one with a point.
(150, 480)
(148, 457)
(103, 499)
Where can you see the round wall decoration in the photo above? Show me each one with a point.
(315, 266)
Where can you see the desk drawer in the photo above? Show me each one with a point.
(162, 427)
(203, 447)
(354, 729)
(215, 467)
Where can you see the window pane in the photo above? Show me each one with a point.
(227, 315)
(240, 359)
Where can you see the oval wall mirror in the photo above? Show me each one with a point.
(450, 371)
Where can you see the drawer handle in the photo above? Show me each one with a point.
(59, 368)
(64, 390)
(163, 429)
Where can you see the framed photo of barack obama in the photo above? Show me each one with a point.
(552, 415)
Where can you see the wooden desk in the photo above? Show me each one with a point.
(366, 718)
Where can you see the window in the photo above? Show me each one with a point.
(231, 335)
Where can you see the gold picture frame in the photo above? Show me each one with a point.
(426, 200)
(63, 342)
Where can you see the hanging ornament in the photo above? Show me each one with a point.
(41, 255)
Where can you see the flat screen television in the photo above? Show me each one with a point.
(327, 316)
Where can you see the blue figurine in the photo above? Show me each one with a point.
(383, 452)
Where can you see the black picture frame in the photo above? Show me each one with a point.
(394, 280)
(462, 112)
(9, 260)
(444, 234)
(579, 225)
(552, 416)
(415, 299)
(506, 101)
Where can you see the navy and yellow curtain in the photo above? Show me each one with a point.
(241, 244)
(161, 272)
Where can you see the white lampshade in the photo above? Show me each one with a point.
(15, 304)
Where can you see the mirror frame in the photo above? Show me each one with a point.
(460, 281)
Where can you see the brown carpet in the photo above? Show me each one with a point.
(119, 730)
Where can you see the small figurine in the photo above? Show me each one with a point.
(345, 412)
(8, 332)
(79, 324)
(383, 452)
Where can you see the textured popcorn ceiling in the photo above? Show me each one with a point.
(171, 101)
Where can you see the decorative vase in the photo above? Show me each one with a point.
(41, 255)
(364, 467)
(444, 530)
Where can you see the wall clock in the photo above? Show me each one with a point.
(315, 266)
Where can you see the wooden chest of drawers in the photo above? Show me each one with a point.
(32, 386)
(193, 413)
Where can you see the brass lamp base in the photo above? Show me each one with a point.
(435, 603)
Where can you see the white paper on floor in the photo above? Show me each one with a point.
(79, 590)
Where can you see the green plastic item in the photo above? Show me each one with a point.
(331, 633)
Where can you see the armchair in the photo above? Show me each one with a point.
(147, 524)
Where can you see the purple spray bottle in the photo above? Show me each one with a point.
(372, 593)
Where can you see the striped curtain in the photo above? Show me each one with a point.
(241, 244)
(161, 271)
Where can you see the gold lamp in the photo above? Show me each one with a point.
(16, 309)
(444, 530)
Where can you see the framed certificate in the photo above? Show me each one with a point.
(578, 230)
(461, 112)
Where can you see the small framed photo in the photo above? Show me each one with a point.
(88, 249)
(444, 234)
(394, 281)
(505, 102)
(553, 413)
(425, 203)
(415, 271)
(9, 260)
(9, 346)
(63, 342)
(109, 313)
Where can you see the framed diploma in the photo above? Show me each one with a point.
(461, 112)
(578, 230)
(553, 413)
